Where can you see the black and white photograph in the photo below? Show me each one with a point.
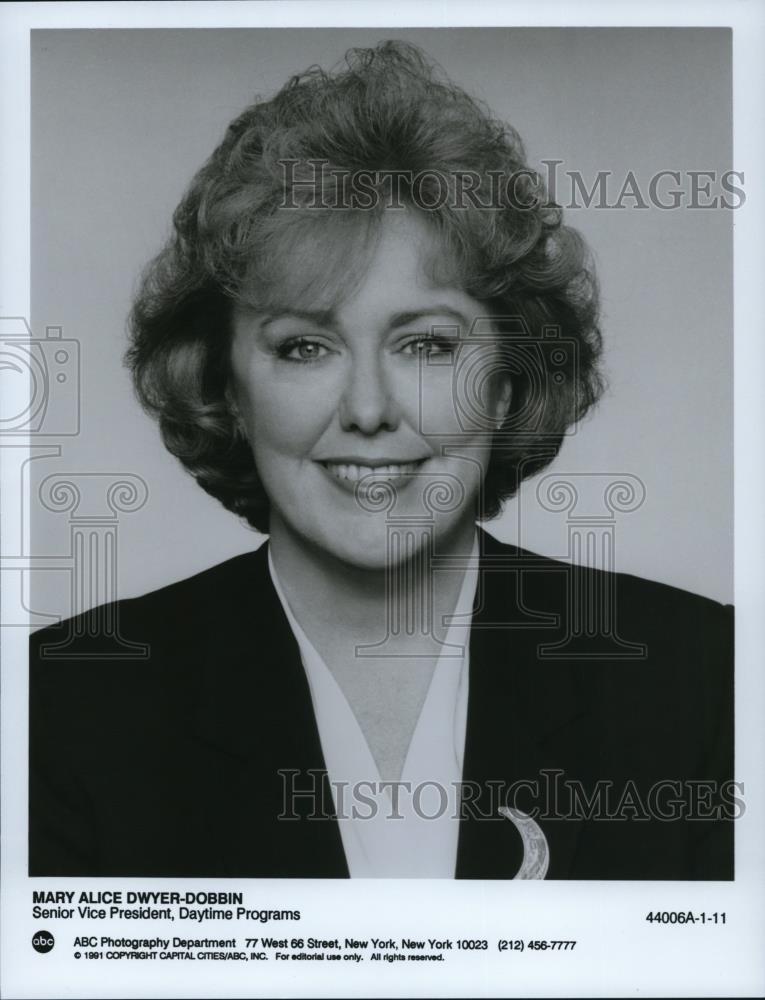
(371, 517)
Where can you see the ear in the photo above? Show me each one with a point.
(504, 395)
(233, 409)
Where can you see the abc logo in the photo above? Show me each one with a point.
(43, 942)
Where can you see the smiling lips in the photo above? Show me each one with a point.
(349, 473)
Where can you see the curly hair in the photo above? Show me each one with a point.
(386, 111)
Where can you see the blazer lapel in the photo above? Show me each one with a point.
(527, 719)
(253, 708)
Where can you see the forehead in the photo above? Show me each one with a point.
(326, 263)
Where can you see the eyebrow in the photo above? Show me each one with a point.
(321, 317)
(404, 318)
(327, 317)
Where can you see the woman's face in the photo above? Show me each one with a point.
(367, 416)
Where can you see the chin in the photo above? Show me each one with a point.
(368, 545)
(374, 543)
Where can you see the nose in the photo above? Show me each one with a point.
(367, 405)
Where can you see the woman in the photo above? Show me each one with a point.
(368, 328)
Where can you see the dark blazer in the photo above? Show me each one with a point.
(614, 694)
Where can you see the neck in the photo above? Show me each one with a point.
(338, 603)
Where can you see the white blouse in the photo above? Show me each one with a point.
(409, 830)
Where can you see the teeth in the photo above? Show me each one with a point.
(356, 472)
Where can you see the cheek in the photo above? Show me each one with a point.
(458, 402)
(431, 403)
(284, 418)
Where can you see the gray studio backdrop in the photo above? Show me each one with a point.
(121, 120)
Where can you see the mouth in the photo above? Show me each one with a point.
(350, 473)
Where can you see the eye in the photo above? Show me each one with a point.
(302, 349)
(429, 346)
